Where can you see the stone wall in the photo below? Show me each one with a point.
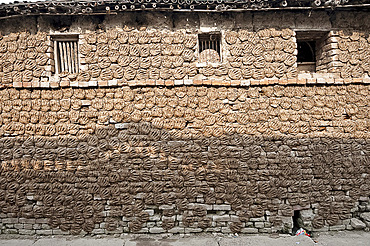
(183, 159)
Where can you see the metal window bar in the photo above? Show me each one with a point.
(210, 41)
(67, 56)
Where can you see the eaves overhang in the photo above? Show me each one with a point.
(93, 7)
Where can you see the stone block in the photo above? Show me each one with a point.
(265, 230)
(26, 232)
(27, 221)
(249, 230)
(166, 207)
(193, 230)
(10, 231)
(10, 221)
(222, 207)
(307, 214)
(337, 228)
(28, 226)
(259, 225)
(258, 219)
(155, 217)
(93, 83)
(225, 230)
(156, 230)
(150, 224)
(45, 227)
(60, 232)
(18, 226)
(36, 226)
(44, 232)
(177, 230)
(234, 218)
(221, 218)
(357, 224)
(97, 231)
(365, 216)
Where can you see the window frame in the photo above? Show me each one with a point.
(56, 39)
(219, 40)
(309, 36)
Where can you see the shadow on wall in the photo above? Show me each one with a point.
(126, 177)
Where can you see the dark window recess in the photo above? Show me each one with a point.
(306, 58)
(306, 51)
(210, 47)
(66, 56)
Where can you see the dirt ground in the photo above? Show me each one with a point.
(358, 238)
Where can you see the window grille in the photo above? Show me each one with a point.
(210, 47)
(66, 54)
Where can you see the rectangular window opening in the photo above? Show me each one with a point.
(309, 50)
(306, 58)
(209, 47)
(66, 53)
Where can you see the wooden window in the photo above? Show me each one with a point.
(209, 47)
(66, 53)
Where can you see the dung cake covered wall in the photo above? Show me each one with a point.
(146, 138)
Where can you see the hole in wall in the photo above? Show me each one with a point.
(296, 221)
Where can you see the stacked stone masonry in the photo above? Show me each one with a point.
(183, 159)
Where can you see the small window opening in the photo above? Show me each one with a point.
(306, 51)
(306, 58)
(209, 47)
(309, 46)
(66, 54)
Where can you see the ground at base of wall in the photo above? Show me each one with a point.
(326, 238)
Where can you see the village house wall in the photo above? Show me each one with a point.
(147, 139)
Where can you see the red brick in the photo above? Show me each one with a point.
(207, 82)
(159, 82)
(27, 84)
(235, 82)
(311, 81)
(17, 84)
(102, 83)
(226, 83)
(121, 82)
(217, 82)
(54, 84)
(255, 82)
(301, 81)
(141, 82)
(273, 81)
(64, 83)
(169, 83)
(264, 82)
(197, 81)
(150, 82)
(292, 81)
(283, 81)
(357, 80)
